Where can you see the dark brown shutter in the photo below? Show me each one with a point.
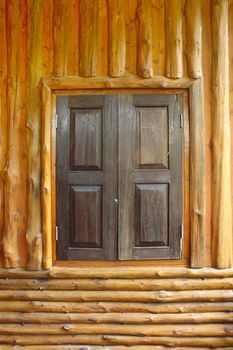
(87, 178)
(150, 177)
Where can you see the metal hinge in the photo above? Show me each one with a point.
(56, 120)
(181, 120)
(56, 233)
(181, 240)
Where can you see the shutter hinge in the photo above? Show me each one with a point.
(181, 240)
(56, 120)
(181, 120)
(56, 233)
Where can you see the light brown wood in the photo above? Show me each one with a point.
(34, 234)
(46, 190)
(194, 37)
(88, 37)
(47, 51)
(145, 39)
(15, 181)
(221, 143)
(174, 47)
(96, 347)
(117, 39)
(197, 176)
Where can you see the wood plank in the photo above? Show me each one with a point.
(47, 38)
(117, 38)
(197, 176)
(88, 37)
(15, 177)
(174, 41)
(221, 139)
(194, 37)
(145, 39)
(34, 230)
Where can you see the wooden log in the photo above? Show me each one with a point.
(116, 318)
(88, 37)
(125, 296)
(122, 272)
(47, 51)
(106, 307)
(15, 177)
(145, 39)
(117, 39)
(3, 117)
(197, 176)
(221, 142)
(174, 44)
(96, 347)
(34, 234)
(194, 37)
(46, 180)
(217, 330)
(117, 284)
(115, 340)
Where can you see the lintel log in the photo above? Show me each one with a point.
(46, 195)
(34, 229)
(194, 37)
(96, 347)
(221, 138)
(88, 37)
(117, 37)
(174, 42)
(197, 175)
(145, 40)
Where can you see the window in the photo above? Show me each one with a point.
(119, 177)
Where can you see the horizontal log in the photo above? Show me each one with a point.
(96, 347)
(105, 307)
(217, 330)
(118, 272)
(127, 296)
(122, 318)
(117, 284)
(212, 342)
(126, 81)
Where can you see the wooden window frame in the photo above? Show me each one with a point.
(193, 159)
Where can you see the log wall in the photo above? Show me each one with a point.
(114, 41)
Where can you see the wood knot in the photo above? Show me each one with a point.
(66, 327)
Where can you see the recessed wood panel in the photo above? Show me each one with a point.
(152, 137)
(86, 216)
(151, 215)
(86, 139)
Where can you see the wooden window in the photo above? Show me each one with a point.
(119, 177)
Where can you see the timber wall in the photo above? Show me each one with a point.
(143, 307)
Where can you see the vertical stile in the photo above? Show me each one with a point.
(46, 177)
(197, 176)
(3, 116)
(221, 138)
(34, 234)
(145, 51)
(117, 39)
(174, 45)
(47, 38)
(88, 37)
(73, 40)
(15, 177)
(194, 38)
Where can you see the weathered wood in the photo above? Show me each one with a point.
(15, 180)
(46, 180)
(145, 39)
(174, 42)
(117, 284)
(116, 318)
(34, 234)
(3, 116)
(126, 296)
(221, 143)
(88, 37)
(106, 307)
(96, 347)
(194, 37)
(125, 272)
(117, 39)
(197, 175)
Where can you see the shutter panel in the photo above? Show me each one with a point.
(150, 177)
(87, 177)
